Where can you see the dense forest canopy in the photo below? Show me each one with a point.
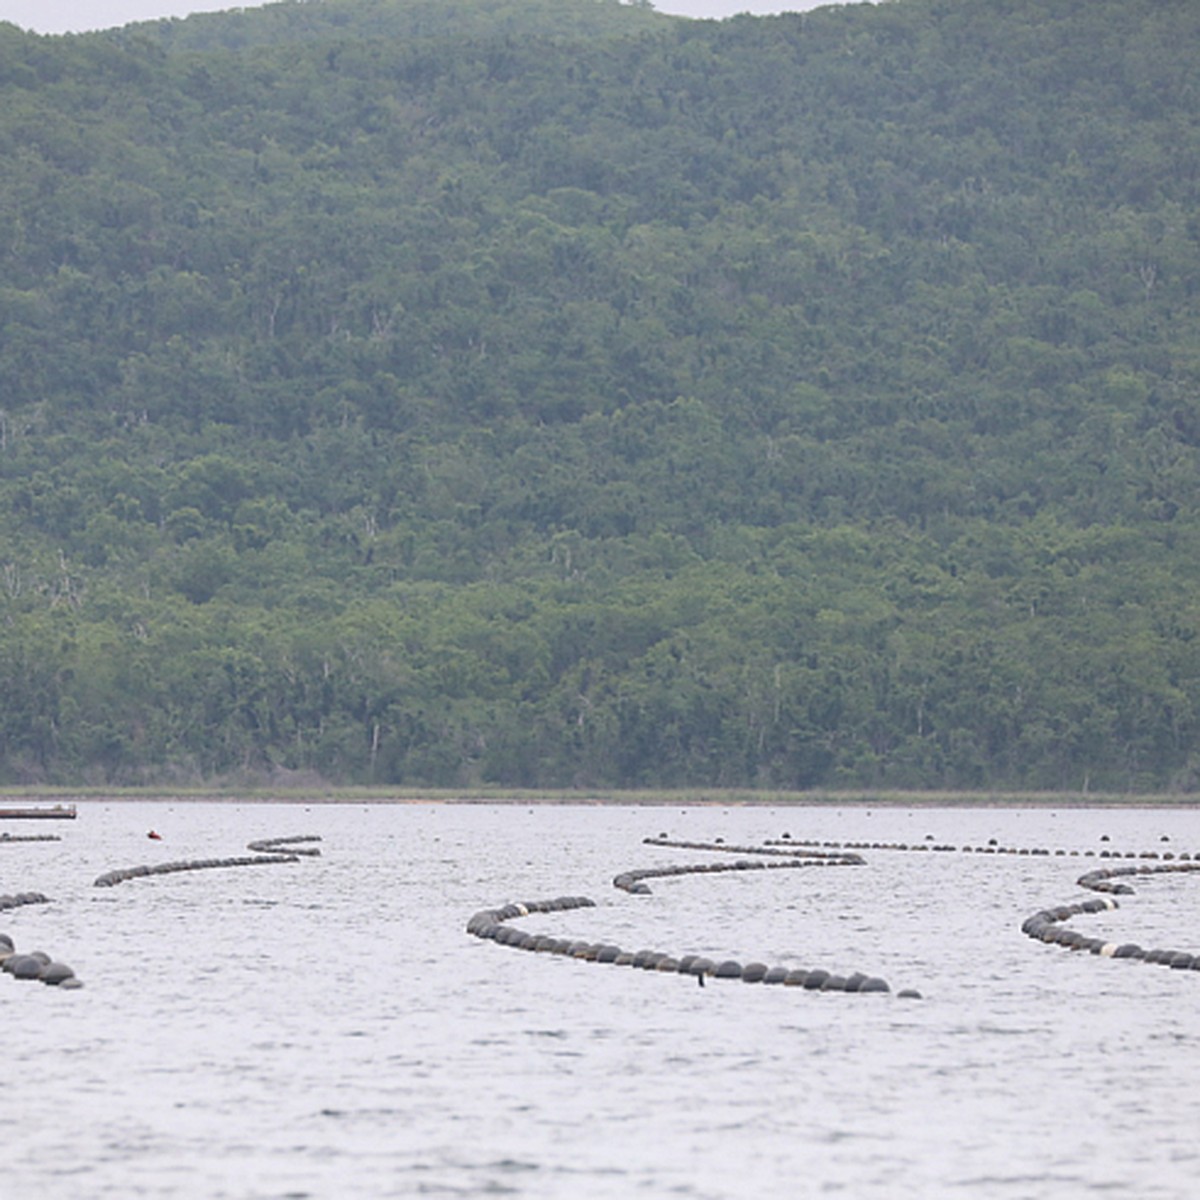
(553, 393)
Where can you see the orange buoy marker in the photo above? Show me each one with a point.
(154, 837)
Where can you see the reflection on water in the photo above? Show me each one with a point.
(327, 1028)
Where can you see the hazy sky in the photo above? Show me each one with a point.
(75, 16)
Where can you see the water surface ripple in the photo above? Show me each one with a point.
(327, 1029)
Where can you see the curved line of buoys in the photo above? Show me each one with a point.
(20, 899)
(1047, 924)
(490, 924)
(1101, 880)
(839, 857)
(268, 850)
(800, 856)
(37, 965)
(992, 847)
(294, 845)
(29, 837)
(112, 878)
(632, 881)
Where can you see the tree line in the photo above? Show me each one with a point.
(566, 395)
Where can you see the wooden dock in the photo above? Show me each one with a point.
(60, 812)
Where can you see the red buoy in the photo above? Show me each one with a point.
(156, 837)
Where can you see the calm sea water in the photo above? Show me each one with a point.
(327, 1029)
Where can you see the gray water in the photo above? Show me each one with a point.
(327, 1028)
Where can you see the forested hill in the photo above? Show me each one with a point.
(550, 392)
(411, 20)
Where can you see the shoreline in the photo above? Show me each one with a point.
(650, 798)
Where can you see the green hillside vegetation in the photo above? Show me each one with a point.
(410, 20)
(549, 393)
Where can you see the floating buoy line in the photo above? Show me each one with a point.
(266, 852)
(35, 966)
(491, 924)
(1047, 925)
(38, 965)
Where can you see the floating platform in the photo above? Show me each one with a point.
(60, 812)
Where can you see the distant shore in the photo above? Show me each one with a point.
(684, 797)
